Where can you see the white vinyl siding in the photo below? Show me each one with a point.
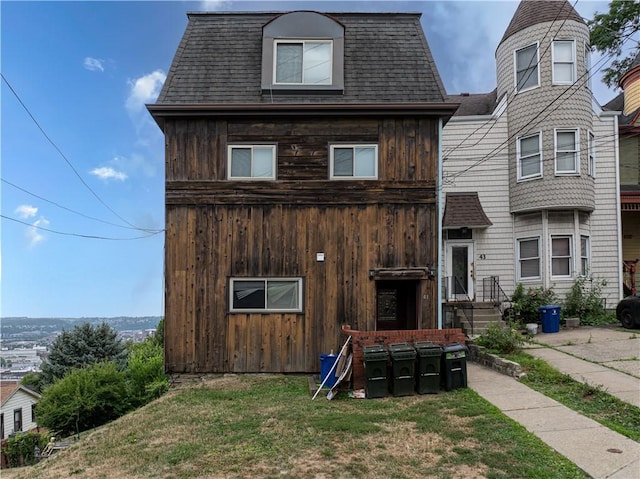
(526, 68)
(528, 258)
(353, 161)
(303, 62)
(529, 154)
(561, 258)
(566, 151)
(564, 62)
(264, 295)
(251, 162)
(18, 401)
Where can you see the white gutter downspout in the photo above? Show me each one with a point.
(616, 151)
(440, 213)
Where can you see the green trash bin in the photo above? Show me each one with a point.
(403, 361)
(375, 369)
(454, 366)
(428, 367)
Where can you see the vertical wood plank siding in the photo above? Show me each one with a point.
(274, 229)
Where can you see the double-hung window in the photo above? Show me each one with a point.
(17, 420)
(592, 154)
(587, 65)
(566, 150)
(529, 151)
(529, 258)
(564, 62)
(251, 162)
(561, 256)
(526, 66)
(354, 161)
(584, 255)
(264, 295)
(302, 62)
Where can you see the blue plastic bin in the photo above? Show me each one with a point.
(550, 317)
(326, 363)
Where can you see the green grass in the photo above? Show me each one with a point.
(264, 426)
(590, 400)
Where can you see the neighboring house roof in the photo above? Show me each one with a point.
(464, 210)
(7, 391)
(386, 60)
(532, 12)
(474, 104)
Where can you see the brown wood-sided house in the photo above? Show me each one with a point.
(302, 159)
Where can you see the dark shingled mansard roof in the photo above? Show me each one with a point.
(463, 210)
(475, 103)
(386, 60)
(532, 12)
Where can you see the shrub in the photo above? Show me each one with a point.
(145, 372)
(502, 340)
(526, 304)
(20, 449)
(585, 301)
(83, 399)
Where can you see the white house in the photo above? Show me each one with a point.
(17, 408)
(530, 178)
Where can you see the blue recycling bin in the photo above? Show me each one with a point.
(550, 318)
(326, 363)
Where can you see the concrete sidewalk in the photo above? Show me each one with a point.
(598, 451)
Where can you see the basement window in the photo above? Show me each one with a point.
(265, 295)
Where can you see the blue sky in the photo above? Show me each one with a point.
(88, 168)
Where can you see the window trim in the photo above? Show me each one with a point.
(333, 146)
(576, 151)
(587, 65)
(569, 258)
(572, 63)
(519, 259)
(303, 41)
(251, 146)
(519, 157)
(266, 310)
(591, 154)
(585, 256)
(515, 67)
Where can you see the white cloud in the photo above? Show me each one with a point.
(108, 173)
(93, 64)
(26, 211)
(34, 234)
(210, 5)
(144, 90)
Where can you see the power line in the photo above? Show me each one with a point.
(78, 234)
(64, 156)
(71, 210)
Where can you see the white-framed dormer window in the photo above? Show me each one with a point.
(529, 258)
(251, 162)
(561, 256)
(585, 262)
(353, 161)
(591, 145)
(566, 151)
(529, 154)
(563, 55)
(526, 68)
(265, 295)
(303, 62)
(587, 65)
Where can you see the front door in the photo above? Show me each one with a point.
(459, 271)
(396, 305)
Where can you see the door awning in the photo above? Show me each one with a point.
(463, 210)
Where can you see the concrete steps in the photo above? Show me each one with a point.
(483, 315)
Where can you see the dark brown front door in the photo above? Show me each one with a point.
(396, 305)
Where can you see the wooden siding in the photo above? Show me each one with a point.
(218, 229)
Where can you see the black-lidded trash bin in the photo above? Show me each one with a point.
(403, 361)
(454, 366)
(375, 369)
(428, 367)
(550, 318)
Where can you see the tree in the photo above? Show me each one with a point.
(610, 31)
(82, 346)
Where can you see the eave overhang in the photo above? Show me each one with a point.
(160, 112)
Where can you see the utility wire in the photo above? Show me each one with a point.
(64, 156)
(78, 234)
(71, 210)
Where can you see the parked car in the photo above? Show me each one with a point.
(628, 312)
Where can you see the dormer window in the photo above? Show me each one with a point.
(304, 62)
(303, 52)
